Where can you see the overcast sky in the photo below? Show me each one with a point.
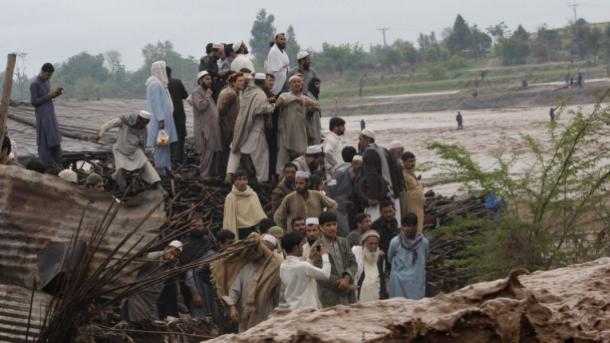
(57, 29)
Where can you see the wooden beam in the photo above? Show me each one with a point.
(6, 93)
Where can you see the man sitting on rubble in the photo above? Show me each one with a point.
(129, 148)
(143, 304)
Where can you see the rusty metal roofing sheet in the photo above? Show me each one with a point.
(14, 312)
(37, 209)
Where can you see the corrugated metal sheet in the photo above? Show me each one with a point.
(37, 209)
(14, 311)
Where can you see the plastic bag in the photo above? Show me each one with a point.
(162, 138)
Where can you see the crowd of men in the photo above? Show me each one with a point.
(346, 222)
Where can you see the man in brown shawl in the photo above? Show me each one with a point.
(249, 134)
(254, 290)
(292, 123)
(228, 109)
(414, 198)
(205, 124)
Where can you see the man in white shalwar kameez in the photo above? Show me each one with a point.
(278, 63)
(249, 134)
(129, 147)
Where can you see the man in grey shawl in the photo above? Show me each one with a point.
(129, 148)
(292, 123)
(249, 135)
(205, 124)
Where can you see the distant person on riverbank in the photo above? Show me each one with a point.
(552, 113)
(460, 121)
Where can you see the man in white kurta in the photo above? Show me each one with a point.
(241, 60)
(333, 143)
(129, 148)
(299, 277)
(249, 133)
(278, 63)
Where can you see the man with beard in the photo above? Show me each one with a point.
(249, 134)
(342, 190)
(363, 224)
(334, 143)
(241, 59)
(205, 124)
(413, 192)
(292, 126)
(199, 279)
(228, 110)
(299, 277)
(285, 186)
(314, 128)
(339, 288)
(312, 161)
(277, 63)
(302, 203)
(242, 209)
(396, 150)
(312, 233)
(386, 225)
(143, 304)
(298, 224)
(382, 177)
(370, 276)
(303, 68)
(408, 254)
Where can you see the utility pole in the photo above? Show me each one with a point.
(574, 7)
(575, 11)
(6, 94)
(383, 31)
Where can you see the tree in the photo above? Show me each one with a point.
(263, 32)
(546, 44)
(81, 66)
(480, 42)
(497, 31)
(521, 34)
(512, 51)
(459, 39)
(341, 57)
(292, 46)
(113, 61)
(184, 68)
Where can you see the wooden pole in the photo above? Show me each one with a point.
(6, 94)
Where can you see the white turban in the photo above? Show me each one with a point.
(144, 115)
(369, 233)
(302, 174)
(270, 238)
(368, 133)
(313, 150)
(202, 74)
(395, 145)
(357, 158)
(176, 244)
(68, 175)
(302, 54)
(260, 76)
(312, 220)
(295, 76)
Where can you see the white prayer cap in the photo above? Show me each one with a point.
(357, 158)
(295, 76)
(302, 174)
(302, 54)
(368, 133)
(314, 150)
(216, 45)
(395, 145)
(367, 234)
(260, 76)
(68, 175)
(279, 33)
(202, 74)
(144, 115)
(270, 238)
(238, 45)
(176, 244)
(312, 220)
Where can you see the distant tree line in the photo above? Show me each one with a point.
(104, 75)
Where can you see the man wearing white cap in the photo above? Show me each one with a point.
(206, 126)
(383, 178)
(312, 161)
(371, 272)
(314, 126)
(278, 63)
(241, 60)
(312, 233)
(292, 122)
(396, 150)
(304, 68)
(302, 203)
(143, 304)
(68, 175)
(129, 148)
(249, 133)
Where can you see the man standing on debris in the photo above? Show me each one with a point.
(342, 191)
(48, 137)
(339, 288)
(363, 224)
(382, 176)
(159, 105)
(205, 124)
(312, 233)
(285, 187)
(386, 225)
(242, 209)
(129, 148)
(334, 143)
(228, 110)
(178, 93)
(143, 304)
(241, 60)
(371, 273)
(278, 63)
(415, 200)
(255, 291)
(407, 255)
(314, 129)
(299, 277)
(302, 203)
(460, 121)
(249, 134)
(292, 126)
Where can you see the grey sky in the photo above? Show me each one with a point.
(54, 30)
